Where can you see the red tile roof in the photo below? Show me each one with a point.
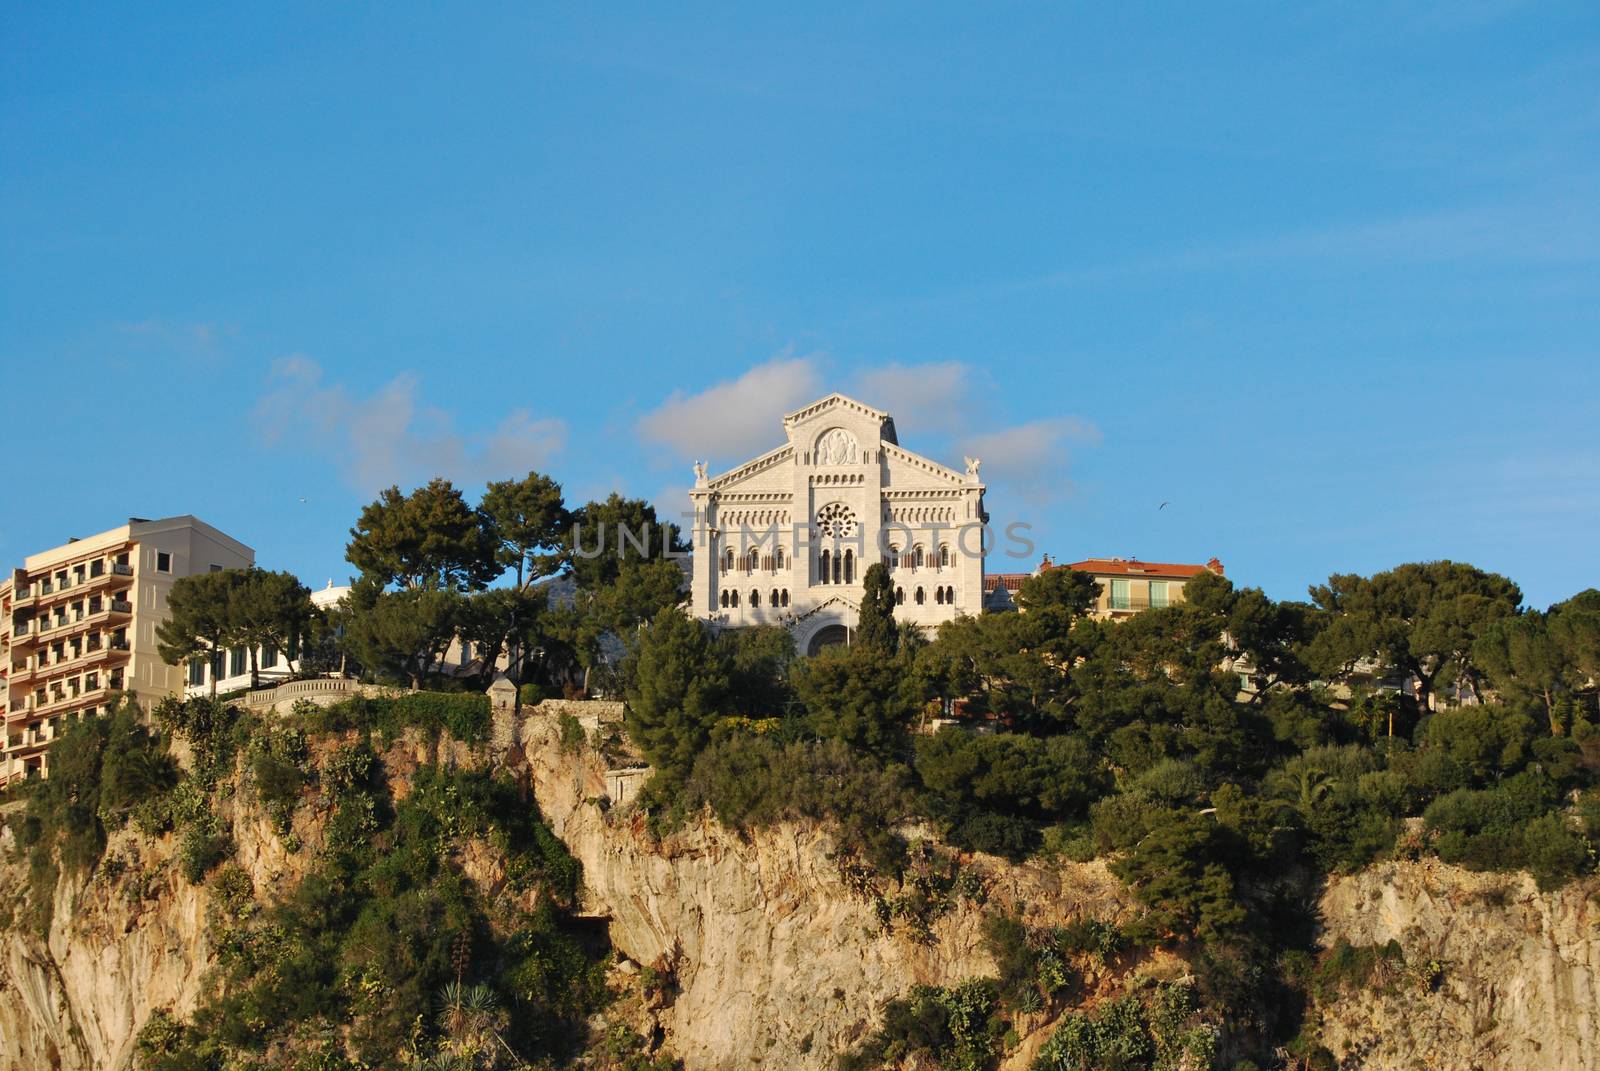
(1009, 581)
(1135, 567)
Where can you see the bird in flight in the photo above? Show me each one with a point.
(1158, 508)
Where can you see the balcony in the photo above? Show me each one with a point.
(121, 606)
(119, 569)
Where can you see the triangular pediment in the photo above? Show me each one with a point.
(735, 476)
(837, 401)
(836, 602)
(902, 460)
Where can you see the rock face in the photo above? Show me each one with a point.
(1520, 981)
(78, 998)
(778, 963)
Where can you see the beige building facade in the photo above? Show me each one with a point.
(786, 538)
(78, 627)
(1127, 585)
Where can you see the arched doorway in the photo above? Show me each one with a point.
(828, 636)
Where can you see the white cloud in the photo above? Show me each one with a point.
(1031, 460)
(389, 438)
(737, 418)
(929, 398)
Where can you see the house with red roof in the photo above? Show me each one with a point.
(1127, 585)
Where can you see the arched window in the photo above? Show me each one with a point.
(823, 573)
(919, 597)
(838, 567)
(785, 597)
(938, 596)
(729, 561)
(773, 601)
(849, 567)
(894, 557)
(777, 557)
(949, 596)
(916, 556)
(733, 598)
(899, 596)
(724, 600)
(755, 599)
(944, 555)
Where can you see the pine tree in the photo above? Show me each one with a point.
(679, 687)
(875, 631)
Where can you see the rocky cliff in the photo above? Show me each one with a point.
(1518, 971)
(775, 957)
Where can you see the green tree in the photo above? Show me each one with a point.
(758, 661)
(605, 535)
(501, 620)
(403, 633)
(1545, 658)
(1422, 619)
(267, 611)
(856, 695)
(429, 540)
(529, 519)
(875, 629)
(678, 690)
(200, 618)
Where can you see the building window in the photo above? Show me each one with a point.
(724, 600)
(894, 557)
(950, 596)
(733, 599)
(215, 568)
(216, 665)
(916, 556)
(1121, 599)
(938, 596)
(785, 594)
(237, 661)
(269, 657)
(899, 596)
(920, 597)
(1158, 593)
(824, 573)
(163, 561)
(849, 567)
(755, 599)
(728, 561)
(772, 599)
(777, 557)
(197, 672)
(944, 556)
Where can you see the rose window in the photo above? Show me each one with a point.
(837, 520)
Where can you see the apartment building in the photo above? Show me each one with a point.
(78, 627)
(1127, 585)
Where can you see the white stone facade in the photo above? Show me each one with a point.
(786, 538)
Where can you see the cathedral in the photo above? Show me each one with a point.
(785, 537)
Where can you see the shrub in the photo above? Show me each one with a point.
(1162, 1031)
(751, 781)
(955, 1028)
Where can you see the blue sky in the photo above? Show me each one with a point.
(1325, 278)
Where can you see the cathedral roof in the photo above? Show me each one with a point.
(837, 401)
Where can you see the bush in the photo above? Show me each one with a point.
(752, 781)
(1514, 825)
(1129, 1034)
(955, 1028)
(994, 793)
